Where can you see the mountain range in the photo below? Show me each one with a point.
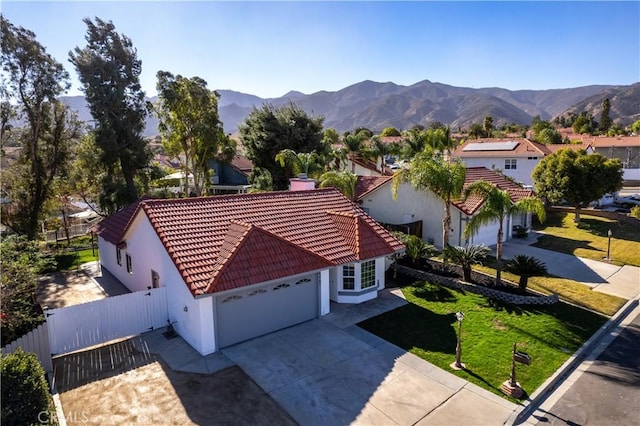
(378, 105)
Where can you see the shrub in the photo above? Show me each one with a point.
(635, 212)
(525, 266)
(466, 257)
(25, 394)
(417, 248)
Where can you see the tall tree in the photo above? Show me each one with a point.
(445, 179)
(268, 130)
(476, 131)
(354, 145)
(32, 81)
(487, 126)
(190, 126)
(605, 118)
(498, 206)
(577, 177)
(109, 70)
(413, 142)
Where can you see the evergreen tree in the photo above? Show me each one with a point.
(109, 70)
(32, 81)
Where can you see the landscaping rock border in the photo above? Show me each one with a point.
(485, 291)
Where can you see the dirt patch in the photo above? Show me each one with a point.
(130, 387)
(68, 288)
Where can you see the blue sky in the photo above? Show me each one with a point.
(269, 48)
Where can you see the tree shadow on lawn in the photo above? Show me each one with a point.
(566, 245)
(399, 327)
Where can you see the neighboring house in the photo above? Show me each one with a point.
(515, 158)
(625, 148)
(364, 167)
(240, 266)
(412, 206)
(231, 177)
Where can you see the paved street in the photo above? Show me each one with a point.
(605, 390)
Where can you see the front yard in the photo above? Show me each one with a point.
(590, 239)
(427, 328)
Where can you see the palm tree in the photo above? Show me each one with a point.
(299, 162)
(466, 257)
(414, 142)
(497, 206)
(379, 150)
(525, 266)
(445, 179)
(354, 145)
(344, 182)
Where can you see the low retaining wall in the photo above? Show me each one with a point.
(489, 292)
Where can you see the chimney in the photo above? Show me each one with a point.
(302, 183)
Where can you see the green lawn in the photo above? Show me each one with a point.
(73, 259)
(590, 239)
(427, 328)
(569, 290)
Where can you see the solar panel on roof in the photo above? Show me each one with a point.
(492, 146)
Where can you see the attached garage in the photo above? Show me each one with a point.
(258, 310)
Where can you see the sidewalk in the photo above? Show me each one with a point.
(621, 281)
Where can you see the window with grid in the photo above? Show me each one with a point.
(368, 274)
(129, 265)
(348, 277)
(119, 256)
(510, 164)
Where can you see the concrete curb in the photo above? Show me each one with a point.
(549, 386)
(62, 421)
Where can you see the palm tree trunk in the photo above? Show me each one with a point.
(524, 281)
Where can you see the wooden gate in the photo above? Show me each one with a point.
(76, 327)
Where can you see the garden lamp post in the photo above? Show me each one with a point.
(457, 365)
(609, 245)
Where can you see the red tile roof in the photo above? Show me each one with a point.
(223, 242)
(473, 203)
(612, 142)
(366, 184)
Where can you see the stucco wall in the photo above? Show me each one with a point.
(195, 324)
(522, 173)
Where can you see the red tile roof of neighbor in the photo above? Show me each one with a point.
(242, 164)
(474, 174)
(612, 142)
(225, 242)
(366, 184)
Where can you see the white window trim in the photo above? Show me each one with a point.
(357, 268)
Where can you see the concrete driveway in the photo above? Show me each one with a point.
(322, 374)
(622, 281)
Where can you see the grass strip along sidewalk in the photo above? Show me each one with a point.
(427, 326)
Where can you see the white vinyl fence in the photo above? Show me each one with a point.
(36, 341)
(80, 326)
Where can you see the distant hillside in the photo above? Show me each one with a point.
(379, 105)
(625, 104)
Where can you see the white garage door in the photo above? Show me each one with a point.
(245, 314)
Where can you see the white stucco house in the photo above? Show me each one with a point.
(516, 158)
(239, 266)
(411, 206)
